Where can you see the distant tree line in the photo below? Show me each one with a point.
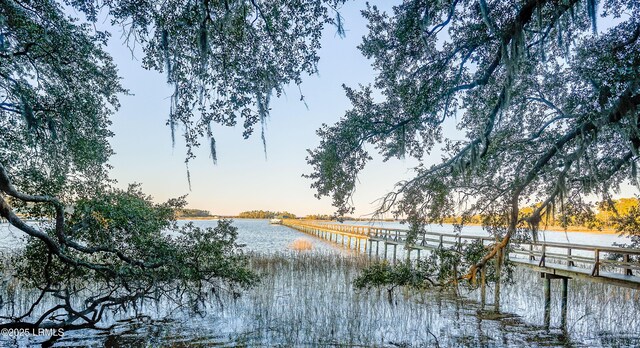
(265, 214)
(339, 218)
(612, 213)
(319, 217)
(182, 213)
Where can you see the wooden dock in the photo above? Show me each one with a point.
(611, 265)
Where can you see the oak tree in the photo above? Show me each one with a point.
(102, 248)
(545, 104)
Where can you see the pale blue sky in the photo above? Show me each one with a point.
(243, 179)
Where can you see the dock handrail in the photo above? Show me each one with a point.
(552, 256)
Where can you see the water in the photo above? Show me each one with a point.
(306, 299)
(548, 236)
(254, 233)
(262, 237)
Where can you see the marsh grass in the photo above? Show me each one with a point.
(301, 244)
(308, 300)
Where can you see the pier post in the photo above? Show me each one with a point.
(377, 245)
(370, 243)
(595, 272)
(563, 318)
(627, 270)
(547, 301)
(570, 263)
(395, 246)
(385, 249)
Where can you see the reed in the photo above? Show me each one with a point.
(301, 244)
(308, 299)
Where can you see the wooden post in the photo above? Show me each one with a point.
(385, 249)
(483, 286)
(377, 245)
(544, 254)
(596, 264)
(627, 270)
(408, 254)
(570, 263)
(441, 244)
(395, 246)
(531, 257)
(547, 301)
(563, 318)
(370, 244)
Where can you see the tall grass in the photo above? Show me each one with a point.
(301, 244)
(307, 299)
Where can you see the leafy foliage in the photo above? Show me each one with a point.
(183, 213)
(547, 108)
(441, 268)
(58, 88)
(265, 214)
(225, 59)
(129, 249)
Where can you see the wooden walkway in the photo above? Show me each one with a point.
(562, 260)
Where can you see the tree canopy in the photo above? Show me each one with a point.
(58, 89)
(545, 103)
(265, 214)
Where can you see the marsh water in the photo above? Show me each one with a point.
(307, 299)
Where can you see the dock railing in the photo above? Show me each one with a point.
(608, 264)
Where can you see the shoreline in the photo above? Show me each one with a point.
(572, 229)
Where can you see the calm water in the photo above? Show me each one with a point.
(260, 236)
(549, 236)
(306, 299)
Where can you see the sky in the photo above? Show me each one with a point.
(243, 179)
